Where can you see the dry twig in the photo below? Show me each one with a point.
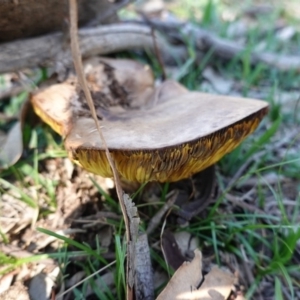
(76, 55)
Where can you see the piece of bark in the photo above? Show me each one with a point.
(144, 287)
(134, 220)
(19, 18)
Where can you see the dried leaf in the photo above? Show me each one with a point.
(185, 280)
(12, 147)
(217, 283)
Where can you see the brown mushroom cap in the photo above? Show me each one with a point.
(172, 135)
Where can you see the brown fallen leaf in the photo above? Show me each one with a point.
(217, 283)
(185, 280)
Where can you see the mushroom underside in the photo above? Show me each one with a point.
(169, 163)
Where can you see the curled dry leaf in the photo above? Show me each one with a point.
(184, 284)
(166, 133)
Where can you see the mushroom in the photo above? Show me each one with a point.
(153, 134)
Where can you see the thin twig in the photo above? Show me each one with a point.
(156, 219)
(76, 55)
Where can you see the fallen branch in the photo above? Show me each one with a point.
(53, 49)
(207, 40)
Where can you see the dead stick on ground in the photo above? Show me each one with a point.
(227, 49)
(76, 55)
(50, 50)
